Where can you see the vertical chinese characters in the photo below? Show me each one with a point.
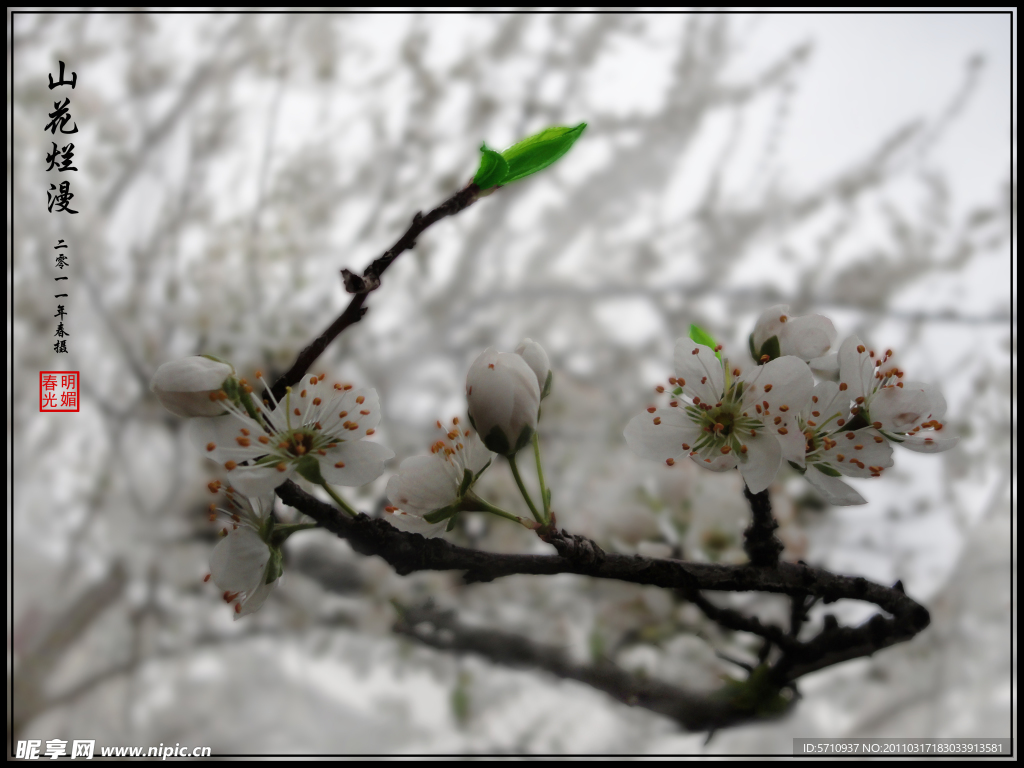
(59, 196)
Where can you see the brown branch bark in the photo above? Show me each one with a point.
(408, 553)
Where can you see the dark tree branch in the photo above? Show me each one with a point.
(759, 540)
(692, 710)
(370, 281)
(408, 553)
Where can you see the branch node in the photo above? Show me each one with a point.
(356, 284)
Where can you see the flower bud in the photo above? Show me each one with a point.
(807, 337)
(187, 387)
(504, 398)
(535, 357)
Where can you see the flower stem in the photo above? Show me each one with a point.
(544, 497)
(339, 501)
(522, 489)
(485, 506)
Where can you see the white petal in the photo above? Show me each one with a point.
(785, 381)
(769, 324)
(862, 461)
(423, 484)
(717, 463)
(761, 462)
(260, 479)
(900, 409)
(474, 455)
(535, 356)
(856, 369)
(362, 462)
(807, 337)
(217, 438)
(700, 370)
(403, 521)
(834, 490)
(930, 442)
(792, 441)
(239, 561)
(360, 406)
(254, 600)
(661, 441)
(826, 367)
(827, 402)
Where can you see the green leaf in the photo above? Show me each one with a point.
(493, 169)
(770, 348)
(825, 469)
(797, 467)
(539, 151)
(451, 523)
(701, 336)
(309, 468)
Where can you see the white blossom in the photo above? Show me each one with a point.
(319, 423)
(437, 481)
(833, 448)
(504, 398)
(806, 337)
(190, 387)
(722, 418)
(242, 564)
(905, 412)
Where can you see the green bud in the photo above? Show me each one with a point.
(539, 151)
(493, 169)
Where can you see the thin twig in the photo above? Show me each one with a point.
(370, 281)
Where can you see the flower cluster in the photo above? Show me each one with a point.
(722, 417)
(317, 433)
(504, 391)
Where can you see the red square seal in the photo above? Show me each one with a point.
(58, 391)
